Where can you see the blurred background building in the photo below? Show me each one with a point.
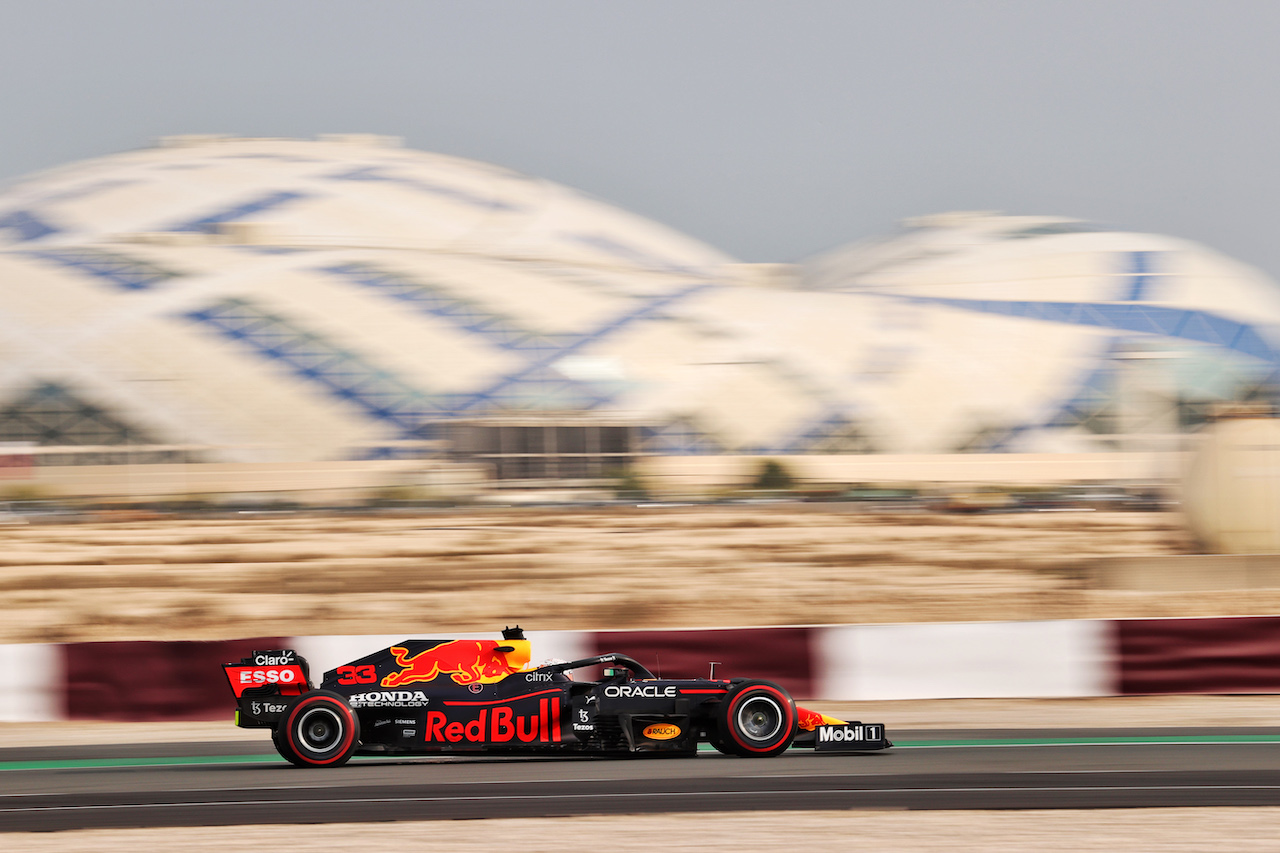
(238, 315)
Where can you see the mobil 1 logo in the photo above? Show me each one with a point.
(851, 737)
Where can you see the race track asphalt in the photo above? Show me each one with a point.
(232, 783)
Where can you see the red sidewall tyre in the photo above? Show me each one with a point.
(320, 730)
(757, 719)
(277, 734)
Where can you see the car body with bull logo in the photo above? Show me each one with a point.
(424, 697)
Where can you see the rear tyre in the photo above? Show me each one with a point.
(756, 719)
(319, 730)
(282, 747)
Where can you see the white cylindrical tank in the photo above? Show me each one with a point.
(1231, 492)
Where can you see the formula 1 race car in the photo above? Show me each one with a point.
(457, 696)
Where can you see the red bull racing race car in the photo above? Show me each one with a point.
(458, 696)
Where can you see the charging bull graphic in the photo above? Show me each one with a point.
(465, 661)
(808, 720)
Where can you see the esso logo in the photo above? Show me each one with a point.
(268, 676)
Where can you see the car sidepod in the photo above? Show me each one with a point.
(649, 716)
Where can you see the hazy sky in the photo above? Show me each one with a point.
(771, 130)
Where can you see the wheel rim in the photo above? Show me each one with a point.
(760, 718)
(320, 730)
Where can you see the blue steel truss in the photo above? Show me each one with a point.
(464, 314)
(827, 428)
(24, 226)
(1186, 324)
(677, 437)
(119, 270)
(537, 370)
(209, 222)
(1140, 278)
(309, 356)
(1096, 390)
(631, 254)
(388, 398)
(536, 384)
(379, 174)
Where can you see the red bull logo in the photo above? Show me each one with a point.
(808, 720)
(465, 661)
(498, 725)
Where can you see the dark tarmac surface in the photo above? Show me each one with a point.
(232, 783)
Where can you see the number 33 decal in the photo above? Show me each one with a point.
(357, 674)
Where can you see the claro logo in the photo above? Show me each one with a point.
(661, 731)
(648, 691)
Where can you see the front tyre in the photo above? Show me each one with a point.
(756, 719)
(320, 730)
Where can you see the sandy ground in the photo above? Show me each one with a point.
(812, 832)
(1175, 829)
(258, 575)
(626, 568)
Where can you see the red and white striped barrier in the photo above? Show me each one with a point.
(183, 680)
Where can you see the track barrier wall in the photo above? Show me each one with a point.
(156, 681)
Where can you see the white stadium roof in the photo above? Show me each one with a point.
(292, 300)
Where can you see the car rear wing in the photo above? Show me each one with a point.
(265, 673)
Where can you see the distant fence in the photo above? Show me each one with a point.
(156, 681)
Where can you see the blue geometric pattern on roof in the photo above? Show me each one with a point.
(389, 398)
(1096, 390)
(1180, 323)
(86, 190)
(463, 314)
(830, 425)
(536, 384)
(1140, 278)
(25, 226)
(209, 222)
(381, 175)
(537, 368)
(309, 356)
(678, 437)
(120, 270)
(631, 254)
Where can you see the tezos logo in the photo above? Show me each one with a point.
(257, 709)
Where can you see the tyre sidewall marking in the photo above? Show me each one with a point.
(295, 718)
(788, 717)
